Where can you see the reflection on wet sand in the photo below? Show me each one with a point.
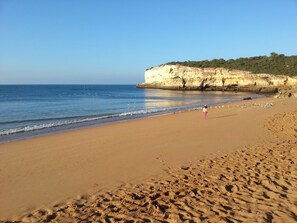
(172, 98)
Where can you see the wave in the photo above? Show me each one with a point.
(48, 119)
(64, 121)
(74, 120)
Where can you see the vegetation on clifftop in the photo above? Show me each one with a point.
(277, 64)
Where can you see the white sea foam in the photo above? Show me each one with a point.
(59, 108)
(76, 121)
(137, 113)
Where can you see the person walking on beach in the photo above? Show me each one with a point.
(204, 110)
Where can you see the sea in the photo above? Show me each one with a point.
(32, 110)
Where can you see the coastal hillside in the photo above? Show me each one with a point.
(211, 75)
(277, 64)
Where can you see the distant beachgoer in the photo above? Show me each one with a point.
(204, 110)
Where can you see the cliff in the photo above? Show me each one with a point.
(181, 77)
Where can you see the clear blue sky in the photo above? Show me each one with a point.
(114, 41)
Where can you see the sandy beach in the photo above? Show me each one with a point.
(237, 166)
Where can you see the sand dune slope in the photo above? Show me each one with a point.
(255, 184)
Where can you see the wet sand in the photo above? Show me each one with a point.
(239, 165)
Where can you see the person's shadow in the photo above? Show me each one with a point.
(224, 116)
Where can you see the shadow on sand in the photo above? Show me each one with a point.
(224, 116)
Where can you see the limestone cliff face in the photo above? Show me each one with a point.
(190, 78)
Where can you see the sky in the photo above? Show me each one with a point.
(115, 41)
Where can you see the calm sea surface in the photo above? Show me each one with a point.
(30, 110)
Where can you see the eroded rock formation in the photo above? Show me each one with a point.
(193, 78)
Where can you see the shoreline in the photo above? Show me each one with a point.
(42, 171)
(115, 118)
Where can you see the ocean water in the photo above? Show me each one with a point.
(31, 110)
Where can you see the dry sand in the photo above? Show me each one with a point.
(238, 166)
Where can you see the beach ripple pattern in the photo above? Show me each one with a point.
(255, 184)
